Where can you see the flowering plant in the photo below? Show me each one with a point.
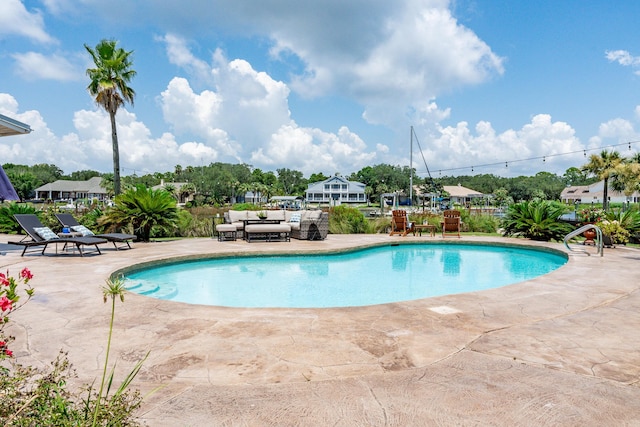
(261, 214)
(592, 214)
(614, 230)
(9, 298)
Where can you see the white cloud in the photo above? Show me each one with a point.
(33, 65)
(624, 58)
(540, 145)
(15, 19)
(247, 119)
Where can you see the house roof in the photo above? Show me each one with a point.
(353, 186)
(91, 186)
(454, 191)
(10, 127)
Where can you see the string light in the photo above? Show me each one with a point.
(544, 158)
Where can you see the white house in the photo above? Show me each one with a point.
(335, 191)
(594, 193)
(65, 189)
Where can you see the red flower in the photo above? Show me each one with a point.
(8, 352)
(5, 304)
(26, 274)
(4, 280)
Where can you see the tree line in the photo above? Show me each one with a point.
(219, 183)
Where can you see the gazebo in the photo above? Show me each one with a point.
(10, 127)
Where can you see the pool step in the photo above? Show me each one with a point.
(152, 289)
(164, 292)
(141, 286)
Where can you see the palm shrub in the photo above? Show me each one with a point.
(537, 220)
(144, 209)
(8, 224)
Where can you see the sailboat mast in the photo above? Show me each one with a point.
(411, 168)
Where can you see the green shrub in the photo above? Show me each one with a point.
(537, 220)
(347, 220)
(480, 223)
(8, 224)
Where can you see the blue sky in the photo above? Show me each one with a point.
(326, 86)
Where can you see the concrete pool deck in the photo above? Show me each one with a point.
(562, 349)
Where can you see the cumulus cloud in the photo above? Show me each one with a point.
(16, 20)
(245, 117)
(457, 149)
(36, 66)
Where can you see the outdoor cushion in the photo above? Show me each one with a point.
(237, 216)
(82, 229)
(295, 217)
(45, 233)
(276, 215)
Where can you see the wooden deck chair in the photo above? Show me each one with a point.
(37, 235)
(400, 224)
(451, 223)
(121, 239)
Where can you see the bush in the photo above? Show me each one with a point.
(480, 223)
(537, 220)
(8, 224)
(347, 220)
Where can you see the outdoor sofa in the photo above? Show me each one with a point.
(304, 224)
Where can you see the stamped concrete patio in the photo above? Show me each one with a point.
(560, 350)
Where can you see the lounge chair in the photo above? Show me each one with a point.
(42, 236)
(400, 224)
(451, 223)
(68, 220)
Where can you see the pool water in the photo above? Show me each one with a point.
(364, 277)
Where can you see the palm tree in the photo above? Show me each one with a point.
(604, 167)
(109, 85)
(142, 209)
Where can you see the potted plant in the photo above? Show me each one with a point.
(262, 214)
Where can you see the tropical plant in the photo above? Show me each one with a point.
(110, 86)
(537, 220)
(604, 166)
(614, 230)
(142, 209)
(8, 224)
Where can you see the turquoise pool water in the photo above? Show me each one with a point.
(364, 277)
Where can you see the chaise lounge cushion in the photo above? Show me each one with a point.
(83, 230)
(45, 233)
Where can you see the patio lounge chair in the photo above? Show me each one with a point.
(400, 224)
(68, 220)
(451, 223)
(42, 236)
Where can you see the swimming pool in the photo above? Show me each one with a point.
(362, 277)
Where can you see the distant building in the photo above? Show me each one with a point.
(335, 191)
(182, 197)
(458, 195)
(594, 193)
(71, 190)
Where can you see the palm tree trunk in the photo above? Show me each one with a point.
(116, 154)
(605, 195)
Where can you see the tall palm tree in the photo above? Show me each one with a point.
(110, 86)
(604, 167)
